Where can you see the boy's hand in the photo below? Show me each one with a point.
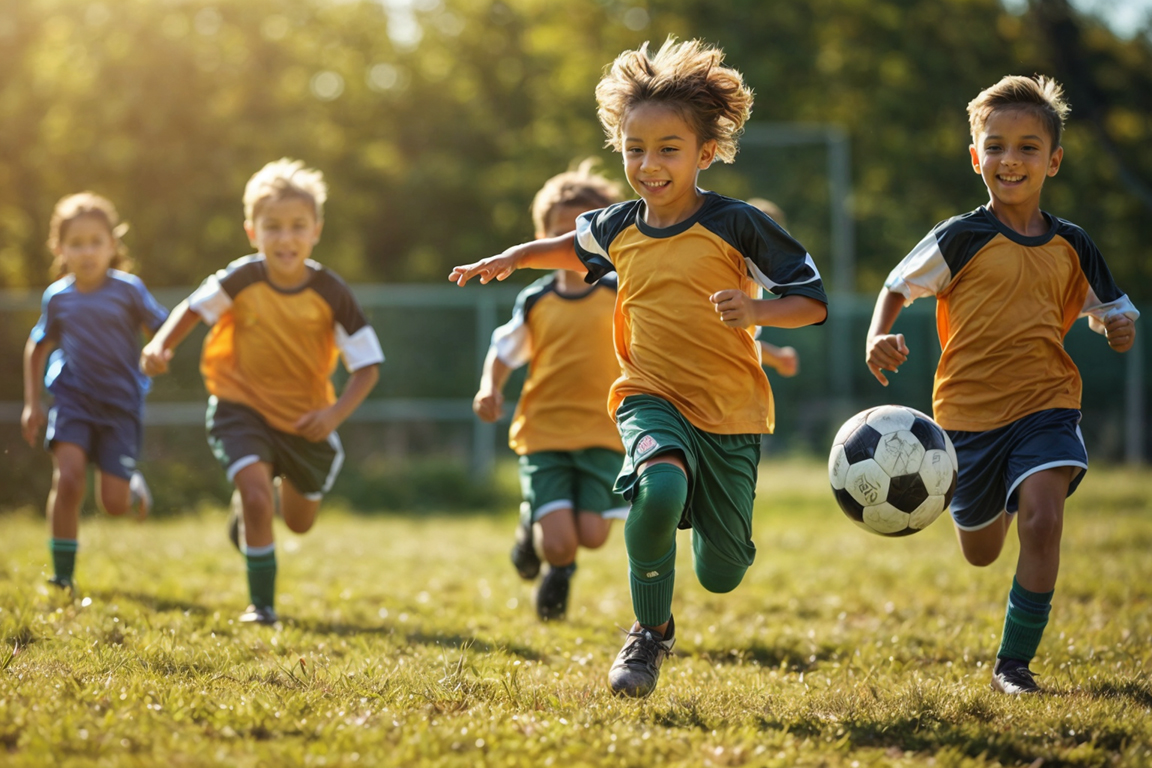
(1120, 330)
(734, 307)
(317, 425)
(154, 359)
(787, 362)
(886, 352)
(488, 405)
(32, 420)
(489, 269)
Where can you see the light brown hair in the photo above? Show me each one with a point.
(72, 207)
(1038, 94)
(575, 187)
(689, 77)
(282, 179)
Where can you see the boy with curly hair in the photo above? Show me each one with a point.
(692, 400)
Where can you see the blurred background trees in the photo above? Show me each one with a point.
(436, 120)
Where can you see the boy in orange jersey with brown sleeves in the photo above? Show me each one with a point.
(570, 451)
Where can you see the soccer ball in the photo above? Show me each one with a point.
(893, 470)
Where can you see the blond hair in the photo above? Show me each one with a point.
(282, 179)
(72, 207)
(575, 187)
(689, 77)
(1038, 94)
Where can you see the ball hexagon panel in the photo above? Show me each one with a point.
(837, 467)
(929, 435)
(899, 453)
(928, 511)
(937, 473)
(890, 418)
(886, 519)
(907, 492)
(867, 483)
(861, 444)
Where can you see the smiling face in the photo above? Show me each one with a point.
(1014, 155)
(662, 159)
(87, 249)
(285, 231)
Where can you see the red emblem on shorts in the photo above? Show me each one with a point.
(646, 445)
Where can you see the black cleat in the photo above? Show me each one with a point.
(524, 556)
(62, 583)
(637, 666)
(552, 596)
(259, 614)
(1013, 677)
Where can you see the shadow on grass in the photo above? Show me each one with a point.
(1135, 691)
(154, 603)
(768, 656)
(471, 642)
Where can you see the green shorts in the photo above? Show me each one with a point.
(577, 480)
(721, 474)
(240, 437)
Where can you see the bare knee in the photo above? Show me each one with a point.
(299, 524)
(559, 546)
(69, 483)
(981, 557)
(592, 529)
(113, 503)
(1041, 528)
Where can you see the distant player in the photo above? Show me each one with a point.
(784, 360)
(692, 400)
(88, 337)
(279, 321)
(1009, 281)
(569, 448)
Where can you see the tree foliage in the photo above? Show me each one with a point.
(436, 120)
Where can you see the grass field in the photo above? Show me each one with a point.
(410, 641)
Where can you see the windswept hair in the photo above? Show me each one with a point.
(578, 186)
(282, 179)
(72, 207)
(1039, 94)
(689, 77)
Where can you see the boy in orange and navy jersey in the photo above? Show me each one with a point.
(570, 451)
(1009, 281)
(279, 322)
(692, 401)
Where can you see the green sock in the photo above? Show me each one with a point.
(1024, 623)
(262, 575)
(652, 599)
(63, 557)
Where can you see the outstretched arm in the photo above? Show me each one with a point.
(32, 419)
(548, 253)
(317, 425)
(488, 404)
(158, 352)
(739, 310)
(885, 351)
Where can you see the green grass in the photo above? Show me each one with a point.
(410, 641)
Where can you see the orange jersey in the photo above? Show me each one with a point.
(566, 340)
(1004, 305)
(669, 339)
(274, 351)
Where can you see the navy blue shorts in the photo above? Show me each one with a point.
(110, 437)
(995, 462)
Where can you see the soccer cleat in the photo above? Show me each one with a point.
(259, 614)
(1013, 677)
(61, 583)
(236, 523)
(552, 596)
(139, 496)
(637, 666)
(524, 555)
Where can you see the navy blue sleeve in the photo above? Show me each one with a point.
(595, 231)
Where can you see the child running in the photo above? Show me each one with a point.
(88, 337)
(692, 400)
(279, 321)
(1009, 281)
(569, 448)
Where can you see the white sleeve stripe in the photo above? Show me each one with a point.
(359, 350)
(769, 285)
(923, 272)
(512, 342)
(587, 240)
(210, 300)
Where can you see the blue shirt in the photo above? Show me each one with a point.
(97, 338)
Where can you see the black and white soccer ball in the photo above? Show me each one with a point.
(893, 470)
